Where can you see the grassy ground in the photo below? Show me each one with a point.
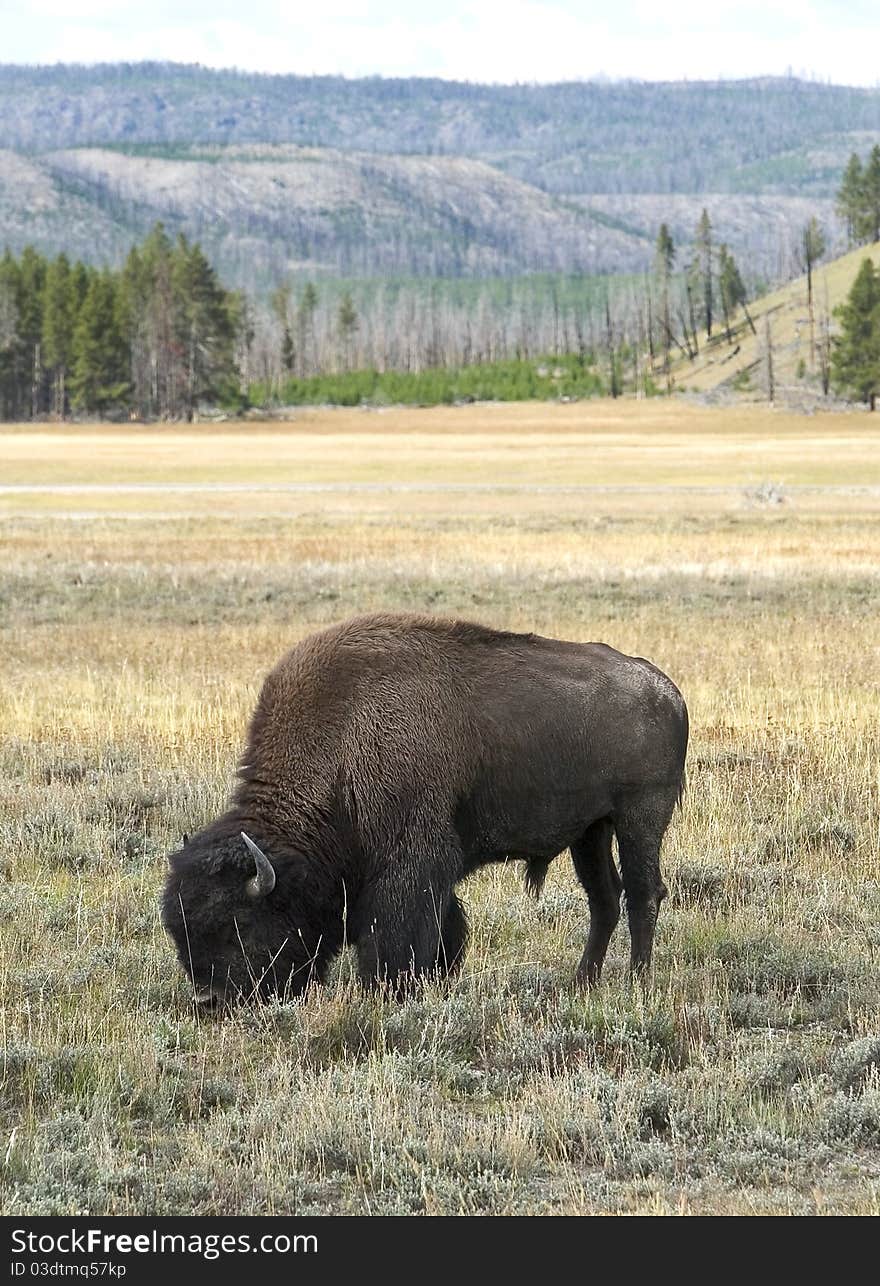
(135, 629)
(600, 443)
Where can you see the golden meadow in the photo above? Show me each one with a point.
(738, 549)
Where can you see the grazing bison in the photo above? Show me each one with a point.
(389, 757)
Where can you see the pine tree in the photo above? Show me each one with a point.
(849, 197)
(704, 257)
(664, 259)
(691, 288)
(858, 199)
(347, 324)
(168, 348)
(100, 356)
(665, 252)
(868, 226)
(280, 304)
(288, 352)
(855, 359)
(80, 276)
(730, 286)
(32, 277)
(813, 247)
(305, 314)
(148, 307)
(203, 325)
(60, 309)
(10, 346)
(134, 294)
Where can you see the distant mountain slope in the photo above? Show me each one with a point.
(37, 207)
(783, 136)
(286, 175)
(266, 212)
(263, 212)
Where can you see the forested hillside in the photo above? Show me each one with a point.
(360, 231)
(774, 135)
(283, 176)
(265, 212)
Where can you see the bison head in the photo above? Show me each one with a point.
(233, 929)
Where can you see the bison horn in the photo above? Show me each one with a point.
(261, 884)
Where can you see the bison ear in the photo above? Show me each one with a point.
(261, 884)
(184, 840)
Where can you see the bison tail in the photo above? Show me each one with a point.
(681, 789)
(536, 874)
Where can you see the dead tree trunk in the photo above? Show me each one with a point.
(768, 344)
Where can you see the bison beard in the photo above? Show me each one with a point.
(390, 756)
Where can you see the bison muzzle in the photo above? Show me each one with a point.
(390, 756)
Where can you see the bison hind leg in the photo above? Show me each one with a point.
(640, 827)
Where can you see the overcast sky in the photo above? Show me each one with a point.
(488, 40)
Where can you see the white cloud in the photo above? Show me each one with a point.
(494, 40)
(86, 10)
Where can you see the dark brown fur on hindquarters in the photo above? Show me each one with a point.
(390, 756)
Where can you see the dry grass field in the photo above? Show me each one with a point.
(135, 626)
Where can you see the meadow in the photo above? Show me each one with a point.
(151, 576)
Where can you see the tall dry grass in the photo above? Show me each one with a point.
(747, 1081)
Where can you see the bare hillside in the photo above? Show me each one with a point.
(39, 208)
(782, 320)
(264, 211)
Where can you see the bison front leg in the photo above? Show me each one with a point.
(411, 924)
(453, 939)
(396, 951)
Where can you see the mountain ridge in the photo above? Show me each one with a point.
(659, 136)
(284, 176)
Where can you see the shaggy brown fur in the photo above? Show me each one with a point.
(390, 756)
